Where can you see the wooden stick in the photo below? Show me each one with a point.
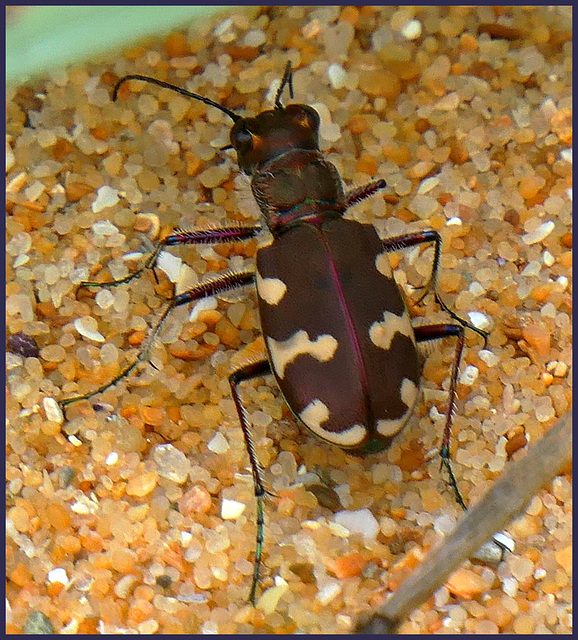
(503, 502)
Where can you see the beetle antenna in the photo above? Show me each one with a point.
(189, 94)
(286, 81)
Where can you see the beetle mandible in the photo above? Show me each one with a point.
(338, 335)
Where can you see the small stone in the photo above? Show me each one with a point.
(142, 484)
(479, 319)
(58, 575)
(231, 509)
(23, 345)
(491, 359)
(53, 410)
(111, 458)
(539, 233)
(196, 500)
(38, 624)
(270, 599)
(105, 197)
(510, 586)
(538, 337)
(521, 567)
(66, 475)
(87, 327)
(423, 206)
(412, 30)
(328, 592)
(564, 558)
(469, 375)
(337, 75)
(348, 566)
(218, 443)
(172, 463)
(362, 521)
(466, 584)
(125, 585)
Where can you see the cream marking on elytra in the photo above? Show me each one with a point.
(408, 394)
(282, 353)
(317, 412)
(382, 333)
(271, 290)
(383, 265)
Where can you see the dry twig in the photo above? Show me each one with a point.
(506, 500)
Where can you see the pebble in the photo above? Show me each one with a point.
(469, 375)
(23, 345)
(172, 463)
(538, 337)
(328, 592)
(412, 30)
(105, 197)
(53, 410)
(362, 521)
(38, 624)
(423, 206)
(196, 500)
(142, 484)
(58, 575)
(479, 319)
(466, 584)
(539, 233)
(218, 443)
(231, 509)
(87, 327)
(337, 75)
(269, 600)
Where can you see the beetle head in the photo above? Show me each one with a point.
(272, 133)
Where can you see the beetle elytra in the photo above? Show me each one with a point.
(339, 339)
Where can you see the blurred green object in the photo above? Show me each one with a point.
(40, 38)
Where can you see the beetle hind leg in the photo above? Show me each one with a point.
(424, 333)
(248, 371)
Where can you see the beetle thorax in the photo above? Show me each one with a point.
(299, 185)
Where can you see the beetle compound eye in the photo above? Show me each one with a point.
(312, 117)
(242, 137)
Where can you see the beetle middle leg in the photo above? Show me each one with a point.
(420, 237)
(219, 285)
(424, 333)
(248, 371)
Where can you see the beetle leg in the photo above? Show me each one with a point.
(420, 237)
(437, 332)
(246, 372)
(221, 284)
(411, 240)
(235, 233)
(361, 193)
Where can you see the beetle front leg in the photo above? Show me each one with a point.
(179, 237)
(424, 333)
(205, 290)
(247, 372)
(361, 193)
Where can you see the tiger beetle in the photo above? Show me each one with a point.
(338, 335)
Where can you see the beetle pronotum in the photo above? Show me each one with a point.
(339, 338)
